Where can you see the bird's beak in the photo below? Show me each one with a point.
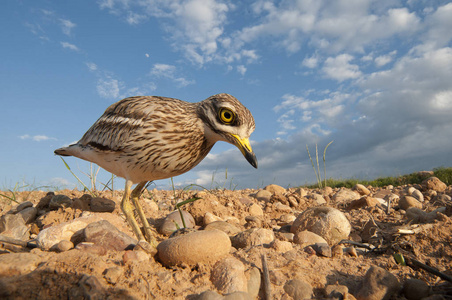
(245, 148)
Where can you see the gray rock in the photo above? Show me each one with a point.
(237, 296)
(254, 282)
(195, 247)
(28, 214)
(20, 207)
(275, 189)
(60, 201)
(209, 295)
(307, 238)
(91, 248)
(378, 284)
(336, 291)
(104, 234)
(226, 227)
(64, 245)
(99, 204)
(252, 237)
(415, 289)
(263, 195)
(407, 201)
(298, 289)
(14, 226)
(228, 276)
(322, 249)
(433, 183)
(169, 224)
(345, 195)
(112, 274)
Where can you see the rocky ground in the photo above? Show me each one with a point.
(273, 243)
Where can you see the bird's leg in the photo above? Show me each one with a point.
(136, 193)
(128, 211)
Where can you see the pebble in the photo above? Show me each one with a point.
(193, 248)
(298, 289)
(307, 238)
(275, 189)
(282, 207)
(286, 219)
(64, 245)
(19, 207)
(416, 194)
(362, 202)
(252, 237)
(137, 256)
(112, 274)
(226, 227)
(99, 204)
(317, 198)
(104, 234)
(255, 210)
(91, 248)
(336, 291)
(322, 249)
(253, 222)
(209, 295)
(169, 224)
(228, 276)
(28, 214)
(263, 195)
(377, 284)
(345, 195)
(60, 201)
(328, 222)
(407, 201)
(80, 204)
(254, 282)
(281, 246)
(44, 201)
(14, 226)
(361, 189)
(415, 289)
(433, 183)
(210, 218)
(337, 250)
(351, 251)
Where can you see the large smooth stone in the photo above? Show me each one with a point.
(204, 246)
(328, 222)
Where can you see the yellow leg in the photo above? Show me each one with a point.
(128, 211)
(136, 193)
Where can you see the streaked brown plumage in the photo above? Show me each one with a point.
(147, 138)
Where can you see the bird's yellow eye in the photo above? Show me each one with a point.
(226, 115)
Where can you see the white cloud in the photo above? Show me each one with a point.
(36, 138)
(340, 69)
(66, 26)
(108, 87)
(310, 62)
(241, 69)
(169, 72)
(70, 46)
(91, 66)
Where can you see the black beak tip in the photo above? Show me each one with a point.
(251, 158)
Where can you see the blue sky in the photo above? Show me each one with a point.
(374, 76)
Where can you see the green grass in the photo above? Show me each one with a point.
(443, 173)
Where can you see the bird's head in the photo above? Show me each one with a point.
(228, 120)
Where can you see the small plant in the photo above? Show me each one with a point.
(182, 203)
(92, 175)
(317, 172)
